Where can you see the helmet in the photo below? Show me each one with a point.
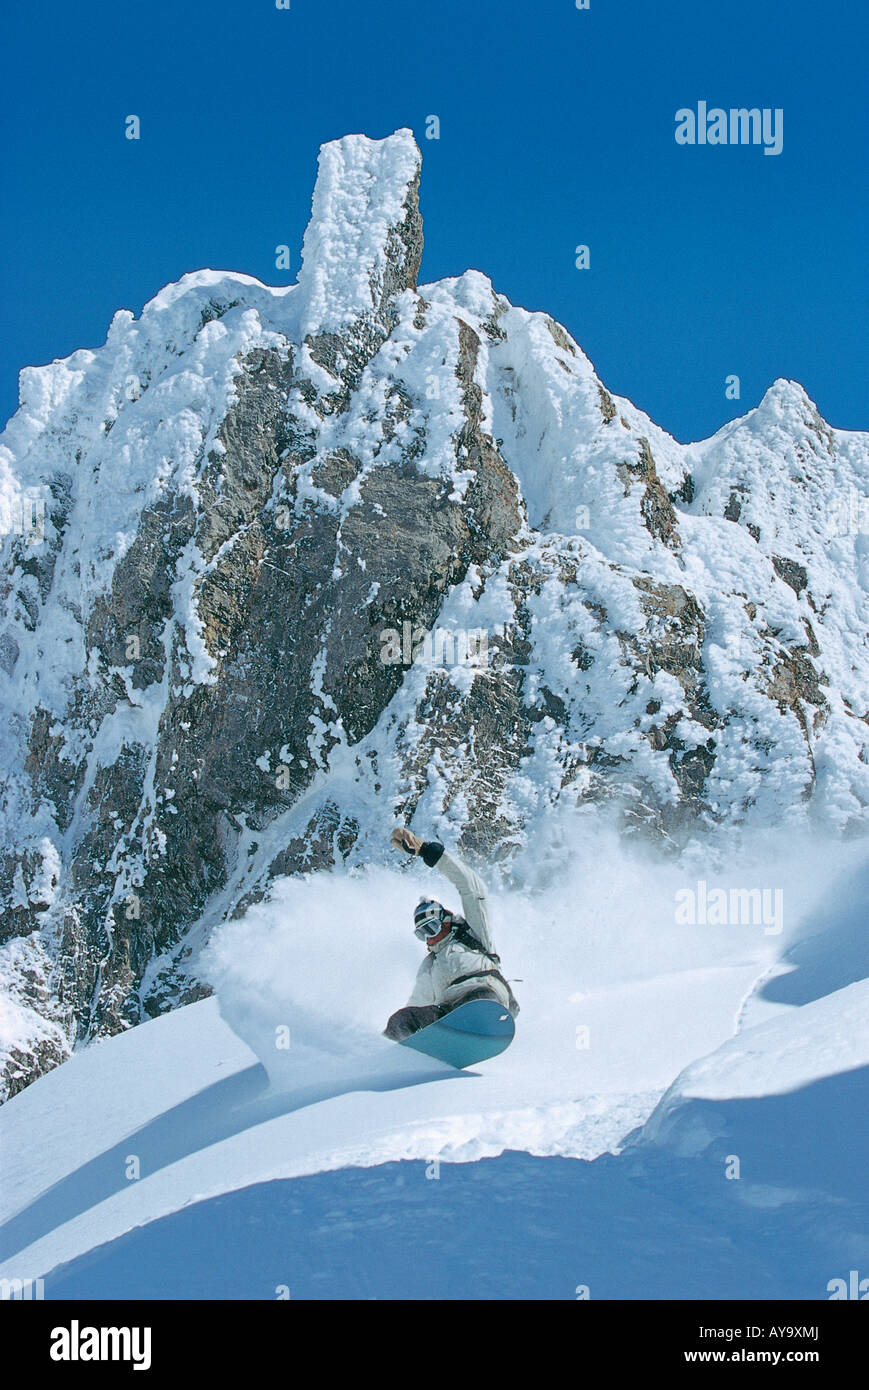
(428, 919)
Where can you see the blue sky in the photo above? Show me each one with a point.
(557, 129)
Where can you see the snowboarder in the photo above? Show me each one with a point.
(460, 963)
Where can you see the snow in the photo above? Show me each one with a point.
(274, 1116)
(24, 960)
(284, 1076)
(361, 189)
(828, 1036)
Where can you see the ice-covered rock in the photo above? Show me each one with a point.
(282, 564)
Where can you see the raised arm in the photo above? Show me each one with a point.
(472, 889)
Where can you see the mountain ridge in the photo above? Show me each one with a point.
(247, 487)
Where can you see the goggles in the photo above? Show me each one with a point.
(429, 922)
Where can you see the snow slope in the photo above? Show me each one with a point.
(260, 1166)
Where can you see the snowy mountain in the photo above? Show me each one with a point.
(284, 565)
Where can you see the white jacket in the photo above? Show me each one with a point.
(450, 961)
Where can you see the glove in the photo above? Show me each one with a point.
(406, 840)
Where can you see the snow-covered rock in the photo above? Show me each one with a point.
(284, 564)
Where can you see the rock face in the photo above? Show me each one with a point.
(283, 565)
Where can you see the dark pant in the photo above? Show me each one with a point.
(415, 1016)
(410, 1019)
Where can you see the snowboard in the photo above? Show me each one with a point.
(469, 1033)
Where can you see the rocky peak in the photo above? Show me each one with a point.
(362, 249)
(785, 397)
(314, 557)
